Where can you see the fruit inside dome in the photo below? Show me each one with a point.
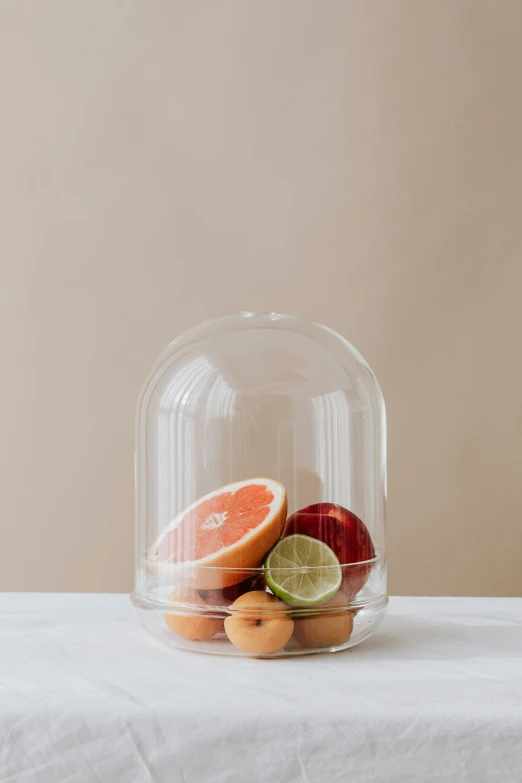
(245, 572)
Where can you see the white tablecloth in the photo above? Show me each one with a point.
(87, 695)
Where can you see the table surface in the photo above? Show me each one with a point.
(87, 695)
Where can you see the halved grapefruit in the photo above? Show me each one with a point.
(231, 528)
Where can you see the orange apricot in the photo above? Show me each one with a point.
(191, 626)
(326, 627)
(259, 623)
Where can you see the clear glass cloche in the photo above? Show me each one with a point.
(260, 490)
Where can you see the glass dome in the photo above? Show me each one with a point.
(260, 490)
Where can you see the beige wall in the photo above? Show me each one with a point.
(357, 162)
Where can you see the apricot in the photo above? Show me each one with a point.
(195, 627)
(327, 627)
(259, 623)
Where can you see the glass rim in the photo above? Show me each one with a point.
(188, 566)
(186, 607)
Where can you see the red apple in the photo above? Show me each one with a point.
(344, 532)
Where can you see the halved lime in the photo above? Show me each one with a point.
(302, 571)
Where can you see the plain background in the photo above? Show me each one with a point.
(357, 162)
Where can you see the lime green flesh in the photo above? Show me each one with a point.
(302, 571)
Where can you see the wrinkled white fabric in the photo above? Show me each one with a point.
(87, 695)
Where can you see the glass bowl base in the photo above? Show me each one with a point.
(366, 620)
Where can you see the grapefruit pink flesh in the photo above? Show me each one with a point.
(231, 528)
